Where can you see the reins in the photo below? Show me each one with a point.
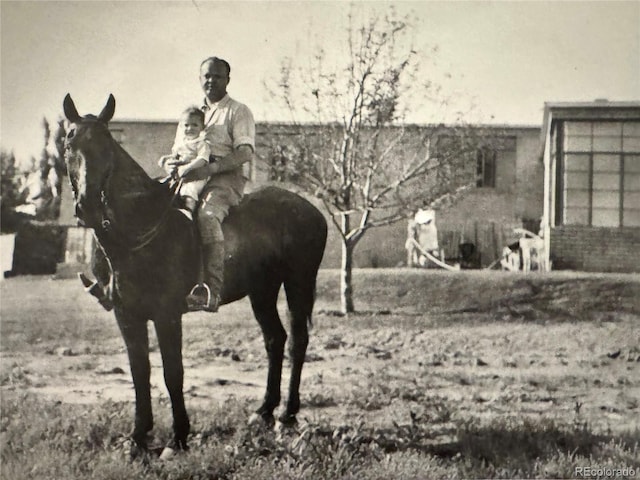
(147, 237)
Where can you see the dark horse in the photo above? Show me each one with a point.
(273, 237)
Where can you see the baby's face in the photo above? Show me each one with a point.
(191, 125)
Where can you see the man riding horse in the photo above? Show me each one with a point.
(230, 131)
(274, 238)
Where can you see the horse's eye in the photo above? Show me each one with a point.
(71, 133)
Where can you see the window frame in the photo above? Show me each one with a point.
(486, 177)
(621, 154)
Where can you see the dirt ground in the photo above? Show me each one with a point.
(431, 345)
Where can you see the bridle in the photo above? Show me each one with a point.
(107, 221)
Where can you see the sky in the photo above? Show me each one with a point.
(505, 58)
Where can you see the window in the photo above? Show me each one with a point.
(486, 168)
(631, 191)
(474, 158)
(601, 173)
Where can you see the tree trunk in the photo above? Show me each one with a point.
(346, 286)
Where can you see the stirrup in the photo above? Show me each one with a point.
(197, 301)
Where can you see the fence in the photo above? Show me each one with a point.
(489, 239)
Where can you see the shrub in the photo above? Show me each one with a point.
(39, 247)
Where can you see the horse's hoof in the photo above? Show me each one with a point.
(138, 454)
(173, 448)
(167, 454)
(279, 427)
(280, 430)
(286, 421)
(258, 419)
(254, 419)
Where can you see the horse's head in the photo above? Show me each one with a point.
(89, 155)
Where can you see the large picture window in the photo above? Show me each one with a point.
(601, 173)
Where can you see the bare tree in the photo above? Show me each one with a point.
(368, 167)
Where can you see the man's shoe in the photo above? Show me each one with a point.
(200, 298)
(97, 291)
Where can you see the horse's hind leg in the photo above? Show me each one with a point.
(300, 297)
(264, 304)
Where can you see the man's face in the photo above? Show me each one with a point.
(214, 80)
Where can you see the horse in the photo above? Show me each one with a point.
(272, 238)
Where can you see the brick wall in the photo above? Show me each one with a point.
(592, 249)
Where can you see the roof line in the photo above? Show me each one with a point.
(594, 104)
(284, 123)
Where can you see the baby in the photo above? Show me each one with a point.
(190, 151)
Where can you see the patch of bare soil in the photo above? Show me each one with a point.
(432, 347)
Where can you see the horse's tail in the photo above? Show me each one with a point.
(301, 295)
(309, 229)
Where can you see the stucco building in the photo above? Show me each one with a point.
(582, 188)
(507, 192)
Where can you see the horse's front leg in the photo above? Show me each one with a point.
(169, 332)
(136, 339)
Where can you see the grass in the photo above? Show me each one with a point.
(43, 440)
(465, 375)
(39, 312)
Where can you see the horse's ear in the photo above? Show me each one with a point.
(70, 109)
(109, 109)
